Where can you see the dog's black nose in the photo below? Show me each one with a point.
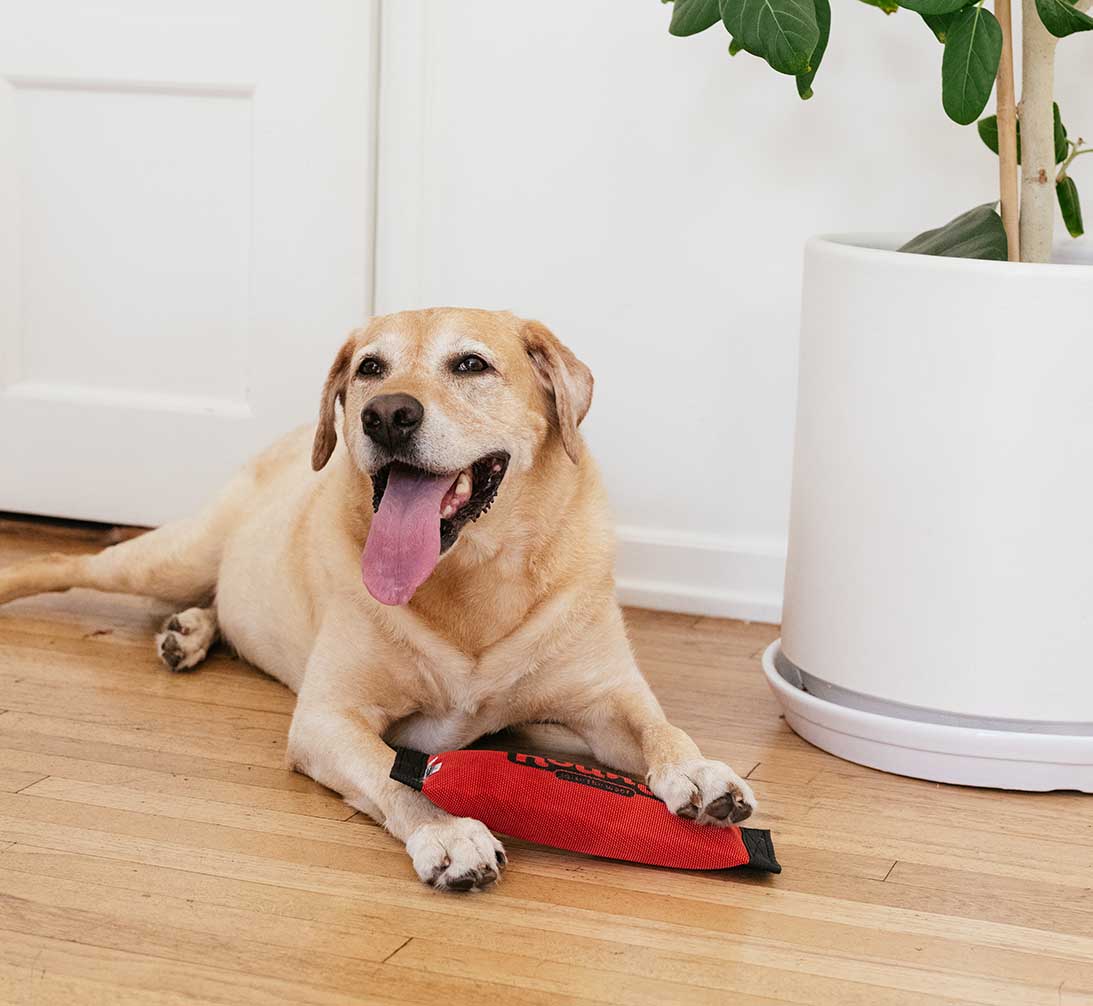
(390, 420)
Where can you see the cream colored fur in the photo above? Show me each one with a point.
(517, 624)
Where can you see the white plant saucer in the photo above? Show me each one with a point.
(942, 752)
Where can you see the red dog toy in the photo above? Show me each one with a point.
(570, 806)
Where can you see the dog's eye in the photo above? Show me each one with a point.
(470, 364)
(370, 367)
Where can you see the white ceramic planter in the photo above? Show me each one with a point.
(938, 613)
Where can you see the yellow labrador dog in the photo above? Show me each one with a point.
(443, 572)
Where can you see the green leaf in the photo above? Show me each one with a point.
(783, 32)
(973, 46)
(744, 30)
(1061, 148)
(1061, 18)
(939, 24)
(823, 22)
(934, 6)
(1067, 193)
(976, 234)
(689, 17)
(734, 47)
(888, 6)
(988, 133)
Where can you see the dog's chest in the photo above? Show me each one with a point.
(456, 706)
(432, 733)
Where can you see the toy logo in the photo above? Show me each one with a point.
(602, 779)
(433, 766)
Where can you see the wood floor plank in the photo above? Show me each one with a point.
(13, 780)
(685, 981)
(167, 806)
(63, 738)
(631, 946)
(154, 849)
(186, 716)
(139, 672)
(267, 751)
(1043, 891)
(240, 970)
(73, 912)
(34, 766)
(662, 923)
(660, 912)
(32, 983)
(143, 977)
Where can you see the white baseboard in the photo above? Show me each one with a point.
(700, 574)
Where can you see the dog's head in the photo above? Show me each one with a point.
(439, 409)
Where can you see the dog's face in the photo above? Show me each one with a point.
(440, 408)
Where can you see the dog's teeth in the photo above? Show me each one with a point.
(463, 485)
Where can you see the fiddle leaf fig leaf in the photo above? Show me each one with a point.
(988, 133)
(783, 32)
(823, 22)
(1062, 18)
(934, 6)
(939, 24)
(976, 234)
(741, 18)
(973, 46)
(689, 17)
(1070, 206)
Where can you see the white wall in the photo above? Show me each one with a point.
(647, 197)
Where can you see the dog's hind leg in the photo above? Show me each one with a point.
(176, 562)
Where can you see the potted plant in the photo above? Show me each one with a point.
(939, 583)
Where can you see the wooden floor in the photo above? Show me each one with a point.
(153, 850)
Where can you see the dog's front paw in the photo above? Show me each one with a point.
(708, 792)
(459, 854)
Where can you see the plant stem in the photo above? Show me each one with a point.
(1075, 151)
(1037, 137)
(1038, 134)
(1007, 134)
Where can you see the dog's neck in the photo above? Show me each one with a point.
(547, 528)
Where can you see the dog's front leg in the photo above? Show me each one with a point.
(336, 737)
(627, 729)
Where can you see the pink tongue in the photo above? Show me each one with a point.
(403, 544)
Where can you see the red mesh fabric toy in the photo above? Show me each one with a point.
(567, 805)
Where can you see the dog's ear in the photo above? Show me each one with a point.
(337, 381)
(567, 379)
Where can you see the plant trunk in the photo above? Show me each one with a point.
(1007, 134)
(1037, 137)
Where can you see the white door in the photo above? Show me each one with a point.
(186, 201)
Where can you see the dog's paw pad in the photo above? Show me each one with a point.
(473, 880)
(705, 791)
(170, 652)
(732, 807)
(186, 637)
(459, 854)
